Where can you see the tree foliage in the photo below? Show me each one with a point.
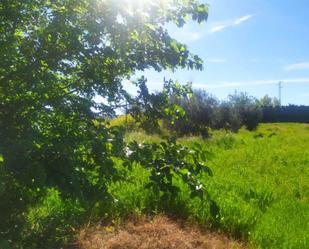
(267, 101)
(56, 56)
(150, 108)
(247, 108)
(204, 111)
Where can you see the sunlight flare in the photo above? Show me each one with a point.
(143, 7)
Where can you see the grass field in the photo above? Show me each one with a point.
(260, 183)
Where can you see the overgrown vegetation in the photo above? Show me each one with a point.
(290, 113)
(58, 153)
(260, 184)
(62, 163)
(204, 112)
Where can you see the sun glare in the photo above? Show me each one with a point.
(142, 6)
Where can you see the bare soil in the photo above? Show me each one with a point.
(157, 233)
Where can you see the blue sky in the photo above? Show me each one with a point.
(248, 45)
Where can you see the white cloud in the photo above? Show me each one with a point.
(297, 66)
(216, 60)
(218, 28)
(242, 19)
(230, 23)
(227, 84)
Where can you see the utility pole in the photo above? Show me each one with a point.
(280, 87)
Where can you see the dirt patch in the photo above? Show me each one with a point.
(157, 233)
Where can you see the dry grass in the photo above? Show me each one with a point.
(158, 233)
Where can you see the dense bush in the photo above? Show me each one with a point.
(204, 111)
(291, 113)
(247, 107)
(227, 117)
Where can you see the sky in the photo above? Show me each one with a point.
(248, 46)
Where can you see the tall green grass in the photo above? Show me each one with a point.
(260, 183)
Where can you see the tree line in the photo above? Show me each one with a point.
(204, 112)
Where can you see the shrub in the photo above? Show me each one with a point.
(247, 108)
(204, 111)
(290, 113)
(227, 118)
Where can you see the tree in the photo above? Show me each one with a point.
(247, 109)
(267, 101)
(55, 57)
(200, 112)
